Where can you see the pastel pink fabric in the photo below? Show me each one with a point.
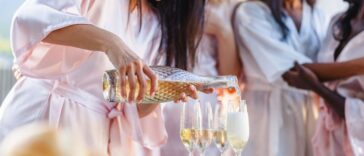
(63, 85)
(331, 134)
(335, 136)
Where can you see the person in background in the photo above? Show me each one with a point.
(272, 34)
(216, 56)
(339, 80)
(62, 49)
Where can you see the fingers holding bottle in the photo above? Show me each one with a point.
(132, 72)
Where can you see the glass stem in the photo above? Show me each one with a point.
(190, 154)
(238, 153)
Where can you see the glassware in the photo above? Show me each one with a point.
(172, 82)
(220, 119)
(238, 127)
(188, 126)
(205, 132)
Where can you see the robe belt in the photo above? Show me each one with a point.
(120, 115)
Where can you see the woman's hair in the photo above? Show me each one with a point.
(343, 25)
(181, 23)
(277, 9)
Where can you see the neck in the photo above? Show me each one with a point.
(143, 5)
(133, 4)
(292, 4)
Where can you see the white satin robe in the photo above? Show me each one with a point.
(336, 137)
(62, 85)
(281, 118)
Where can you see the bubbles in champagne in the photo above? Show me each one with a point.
(187, 138)
(204, 138)
(221, 140)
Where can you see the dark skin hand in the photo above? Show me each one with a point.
(311, 76)
(303, 78)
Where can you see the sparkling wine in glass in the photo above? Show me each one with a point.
(204, 131)
(188, 126)
(220, 119)
(238, 127)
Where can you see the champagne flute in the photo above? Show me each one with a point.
(205, 132)
(220, 119)
(238, 127)
(188, 125)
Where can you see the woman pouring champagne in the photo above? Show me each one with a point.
(62, 49)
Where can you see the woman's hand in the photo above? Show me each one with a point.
(193, 93)
(132, 71)
(301, 77)
(146, 109)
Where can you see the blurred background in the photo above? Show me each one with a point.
(330, 7)
(6, 59)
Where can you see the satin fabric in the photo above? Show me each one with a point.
(335, 136)
(63, 85)
(282, 118)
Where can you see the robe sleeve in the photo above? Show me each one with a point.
(32, 22)
(353, 91)
(354, 113)
(258, 33)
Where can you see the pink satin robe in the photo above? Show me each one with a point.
(62, 85)
(334, 136)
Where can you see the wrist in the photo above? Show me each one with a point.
(318, 87)
(112, 43)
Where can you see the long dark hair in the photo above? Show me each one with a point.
(343, 27)
(276, 7)
(181, 24)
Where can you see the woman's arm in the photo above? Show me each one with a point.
(92, 38)
(87, 37)
(335, 71)
(333, 99)
(228, 57)
(303, 78)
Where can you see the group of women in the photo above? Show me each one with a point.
(290, 59)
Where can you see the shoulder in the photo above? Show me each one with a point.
(252, 10)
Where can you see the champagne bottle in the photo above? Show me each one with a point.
(172, 82)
